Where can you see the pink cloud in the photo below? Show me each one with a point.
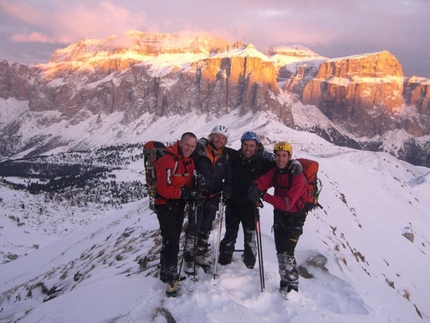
(80, 22)
(70, 21)
(32, 37)
(22, 11)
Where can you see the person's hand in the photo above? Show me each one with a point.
(226, 193)
(295, 167)
(225, 198)
(254, 194)
(200, 180)
(189, 194)
(194, 194)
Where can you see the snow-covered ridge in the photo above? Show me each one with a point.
(175, 48)
(138, 46)
(363, 257)
(139, 73)
(11, 109)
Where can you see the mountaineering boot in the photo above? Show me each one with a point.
(202, 243)
(203, 263)
(250, 253)
(189, 254)
(189, 268)
(289, 273)
(163, 277)
(226, 250)
(226, 247)
(172, 289)
(189, 247)
(168, 270)
(285, 288)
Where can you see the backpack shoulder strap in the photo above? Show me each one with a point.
(278, 184)
(176, 163)
(175, 158)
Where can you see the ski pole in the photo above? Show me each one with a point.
(195, 241)
(198, 183)
(221, 215)
(259, 245)
(183, 253)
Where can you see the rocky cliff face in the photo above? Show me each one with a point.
(417, 92)
(170, 74)
(16, 80)
(296, 66)
(368, 88)
(157, 74)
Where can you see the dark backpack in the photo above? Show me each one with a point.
(152, 151)
(310, 170)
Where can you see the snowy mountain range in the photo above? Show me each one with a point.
(362, 101)
(80, 244)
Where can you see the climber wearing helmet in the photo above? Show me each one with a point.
(248, 163)
(288, 200)
(212, 162)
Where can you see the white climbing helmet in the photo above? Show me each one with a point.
(220, 130)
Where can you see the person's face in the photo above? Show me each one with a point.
(282, 157)
(249, 148)
(188, 145)
(218, 141)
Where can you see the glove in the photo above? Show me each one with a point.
(226, 193)
(295, 167)
(200, 180)
(189, 194)
(254, 194)
(225, 196)
(194, 194)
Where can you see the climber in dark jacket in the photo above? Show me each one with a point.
(248, 163)
(212, 164)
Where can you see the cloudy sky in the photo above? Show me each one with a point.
(31, 30)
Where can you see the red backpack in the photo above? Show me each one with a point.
(152, 150)
(310, 170)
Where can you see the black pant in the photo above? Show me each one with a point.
(170, 217)
(237, 213)
(206, 212)
(287, 228)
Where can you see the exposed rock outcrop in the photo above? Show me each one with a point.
(296, 65)
(362, 93)
(417, 92)
(173, 74)
(162, 74)
(16, 80)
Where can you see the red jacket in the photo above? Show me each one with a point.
(288, 197)
(169, 181)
